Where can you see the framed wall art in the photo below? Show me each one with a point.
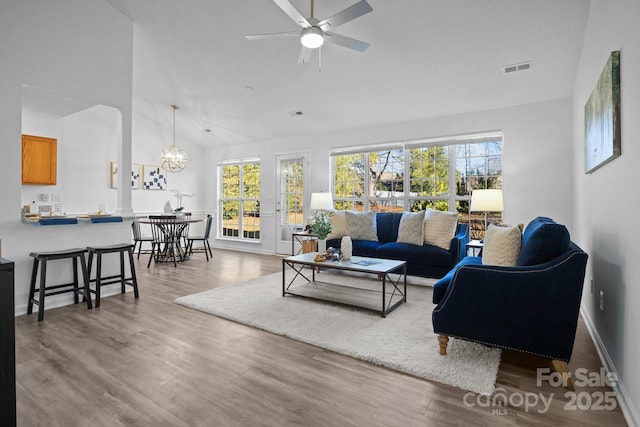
(602, 117)
(135, 175)
(155, 178)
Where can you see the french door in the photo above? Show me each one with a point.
(292, 168)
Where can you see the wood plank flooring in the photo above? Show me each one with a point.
(150, 362)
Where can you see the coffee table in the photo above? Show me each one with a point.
(304, 283)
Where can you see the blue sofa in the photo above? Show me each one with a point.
(425, 261)
(531, 307)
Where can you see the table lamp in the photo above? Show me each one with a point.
(321, 202)
(486, 200)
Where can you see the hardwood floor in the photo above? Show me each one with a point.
(150, 362)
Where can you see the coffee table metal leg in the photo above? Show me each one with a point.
(384, 295)
(298, 273)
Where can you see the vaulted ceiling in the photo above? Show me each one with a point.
(427, 58)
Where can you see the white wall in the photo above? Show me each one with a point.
(606, 201)
(537, 160)
(87, 141)
(41, 48)
(149, 139)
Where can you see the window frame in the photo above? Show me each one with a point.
(407, 200)
(241, 199)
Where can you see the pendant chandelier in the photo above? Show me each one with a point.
(174, 158)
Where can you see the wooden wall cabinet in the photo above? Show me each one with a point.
(39, 160)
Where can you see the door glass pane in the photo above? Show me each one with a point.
(291, 203)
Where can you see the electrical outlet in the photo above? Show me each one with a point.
(591, 285)
(601, 300)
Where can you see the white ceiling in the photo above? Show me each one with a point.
(427, 58)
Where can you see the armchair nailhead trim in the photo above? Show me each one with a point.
(503, 346)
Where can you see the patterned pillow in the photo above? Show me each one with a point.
(362, 226)
(439, 228)
(338, 224)
(501, 245)
(411, 229)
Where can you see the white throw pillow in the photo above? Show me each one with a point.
(411, 229)
(501, 245)
(362, 226)
(338, 224)
(439, 228)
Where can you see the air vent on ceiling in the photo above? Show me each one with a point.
(507, 69)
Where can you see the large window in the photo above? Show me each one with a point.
(240, 199)
(438, 174)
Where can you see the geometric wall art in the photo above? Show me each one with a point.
(154, 178)
(135, 175)
(602, 130)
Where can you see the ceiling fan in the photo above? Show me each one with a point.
(315, 32)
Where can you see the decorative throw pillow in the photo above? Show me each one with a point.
(362, 226)
(338, 224)
(439, 228)
(501, 245)
(411, 229)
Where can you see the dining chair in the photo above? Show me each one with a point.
(138, 238)
(165, 245)
(206, 247)
(185, 232)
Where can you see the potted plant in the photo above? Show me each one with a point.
(321, 227)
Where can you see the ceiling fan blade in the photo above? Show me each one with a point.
(272, 35)
(305, 55)
(346, 15)
(293, 13)
(343, 41)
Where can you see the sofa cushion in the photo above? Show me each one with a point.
(439, 228)
(413, 254)
(542, 241)
(365, 248)
(338, 224)
(411, 228)
(501, 245)
(388, 224)
(440, 287)
(362, 226)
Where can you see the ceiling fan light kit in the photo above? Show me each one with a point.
(312, 37)
(315, 33)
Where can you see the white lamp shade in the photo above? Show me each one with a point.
(321, 201)
(486, 201)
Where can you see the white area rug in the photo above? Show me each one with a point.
(403, 341)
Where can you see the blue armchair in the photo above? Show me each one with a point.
(531, 307)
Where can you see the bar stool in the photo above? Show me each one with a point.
(45, 291)
(100, 281)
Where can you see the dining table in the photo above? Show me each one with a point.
(168, 232)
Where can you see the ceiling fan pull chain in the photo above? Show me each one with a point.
(320, 59)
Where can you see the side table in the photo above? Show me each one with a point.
(300, 237)
(474, 247)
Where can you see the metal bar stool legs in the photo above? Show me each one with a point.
(121, 278)
(40, 260)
